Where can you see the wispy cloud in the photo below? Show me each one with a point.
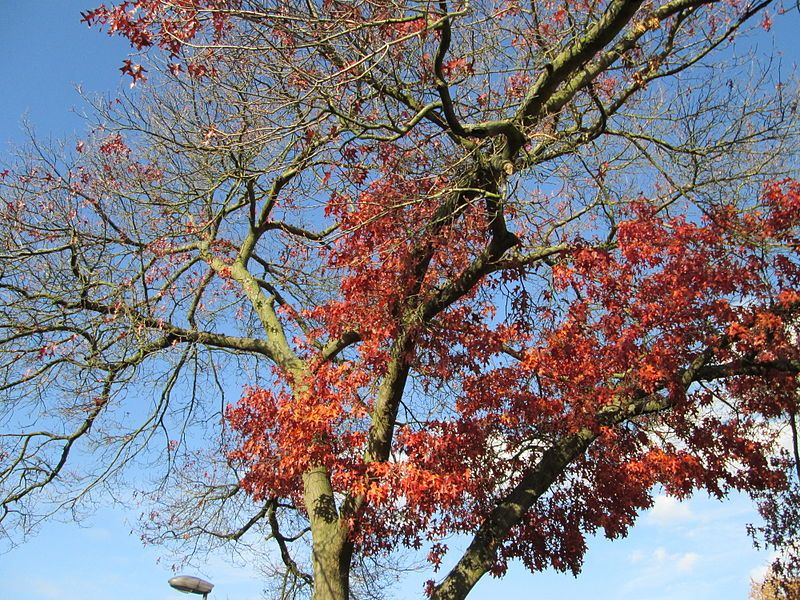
(686, 562)
(683, 562)
(759, 573)
(668, 510)
(662, 573)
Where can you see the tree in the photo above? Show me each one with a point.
(774, 588)
(492, 269)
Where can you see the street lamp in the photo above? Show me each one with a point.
(191, 585)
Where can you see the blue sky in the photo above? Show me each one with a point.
(697, 550)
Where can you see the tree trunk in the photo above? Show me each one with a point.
(330, 548)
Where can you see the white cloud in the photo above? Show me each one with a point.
(636, 556)
(686, 562)
(660, 558)
(667, 510)
(759, 573)
(660, 574)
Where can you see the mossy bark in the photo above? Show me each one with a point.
(331, 550)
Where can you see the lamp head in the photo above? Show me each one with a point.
(191, 585)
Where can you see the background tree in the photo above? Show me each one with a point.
(559, 237)
(774, 588)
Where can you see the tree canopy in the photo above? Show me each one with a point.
(490, 269)
(773, 587)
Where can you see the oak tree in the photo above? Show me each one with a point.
(489, 269)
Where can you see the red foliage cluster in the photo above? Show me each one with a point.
(167, 25)
(626, 320)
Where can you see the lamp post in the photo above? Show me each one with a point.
(191, 585)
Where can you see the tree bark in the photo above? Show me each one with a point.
(330, 549)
